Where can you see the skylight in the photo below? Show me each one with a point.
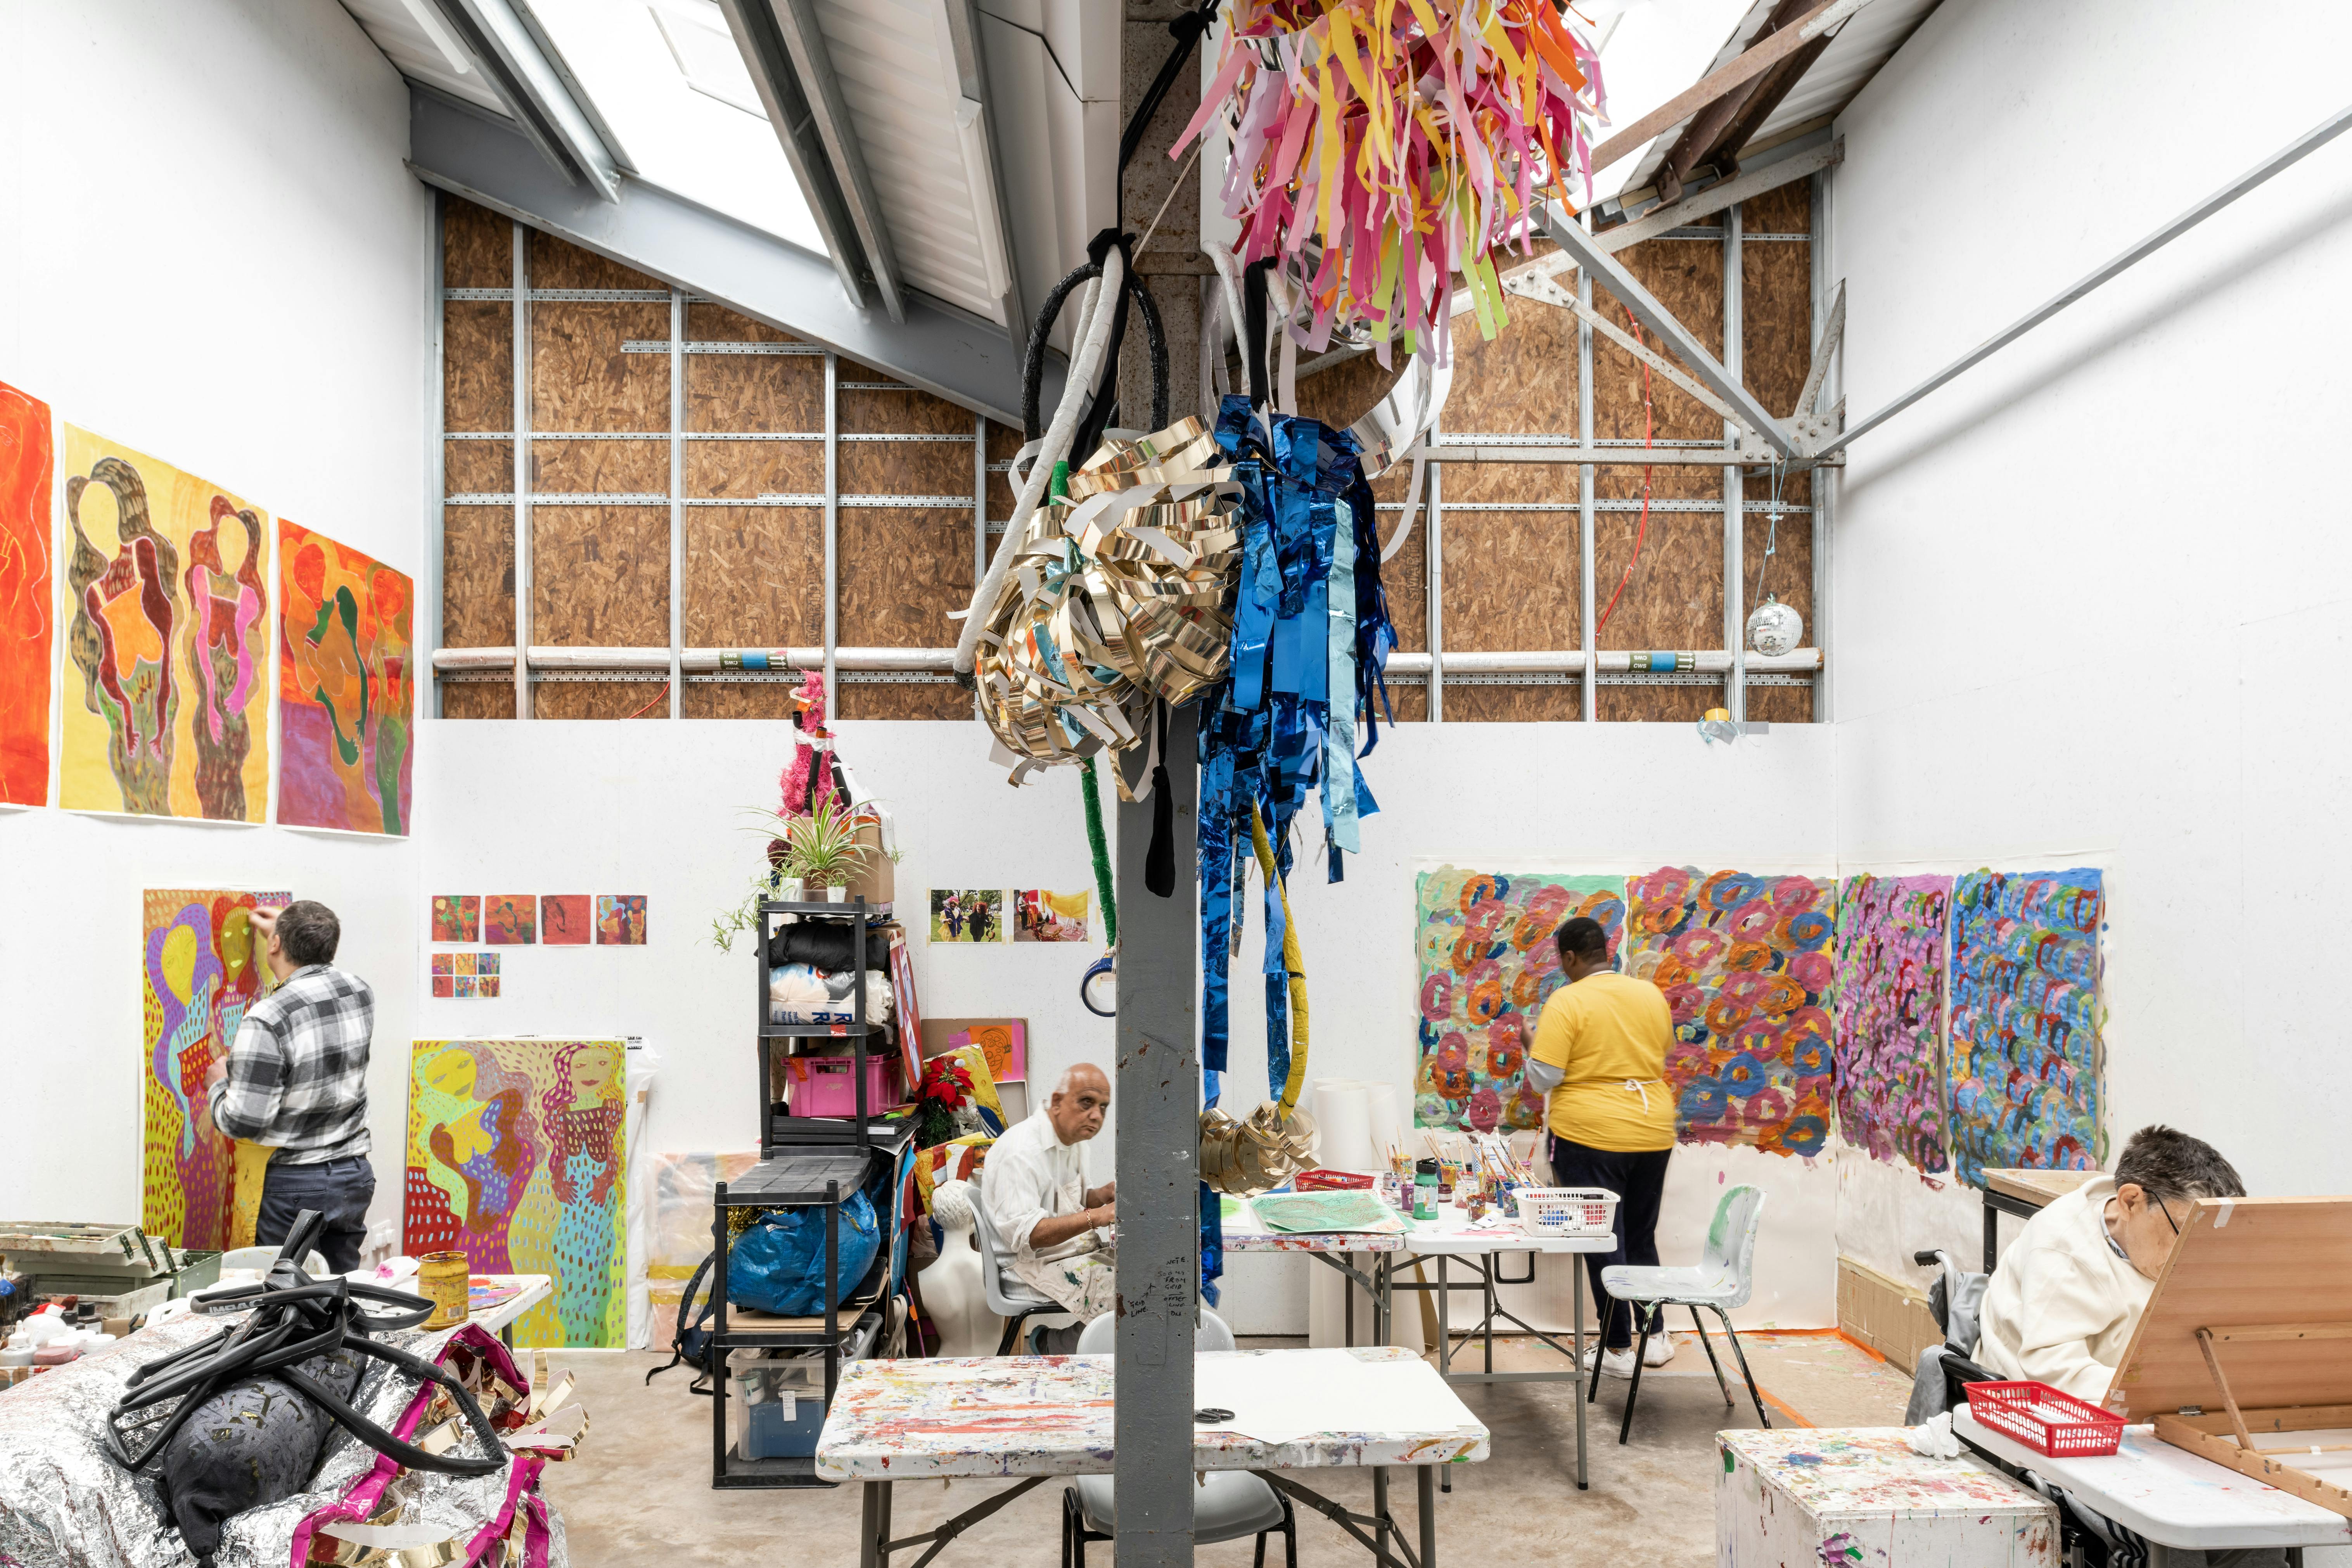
(1653, 49)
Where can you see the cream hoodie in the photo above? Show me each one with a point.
(2062, 1307)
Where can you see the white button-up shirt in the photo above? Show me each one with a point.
(1031, 1175)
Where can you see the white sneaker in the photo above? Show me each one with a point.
(1661, 1349)
(1614, 1364)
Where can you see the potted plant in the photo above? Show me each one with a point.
(822, 849)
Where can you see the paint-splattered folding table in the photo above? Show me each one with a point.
(1245, 1231)
(1037, 1417)
(1859, 1497)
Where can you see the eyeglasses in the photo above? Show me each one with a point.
(2166, 1210)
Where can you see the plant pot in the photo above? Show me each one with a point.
(788, 891)
(837, 895)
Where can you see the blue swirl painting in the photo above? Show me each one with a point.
(2026, 1055)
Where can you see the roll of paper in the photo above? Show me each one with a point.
(1344, 1116)
(1386, 1121)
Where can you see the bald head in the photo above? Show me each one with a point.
(1079, 1103)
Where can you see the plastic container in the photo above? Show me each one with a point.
(827, 1086)
(777, 1403)
(2048, 1421)
(1567, 1211)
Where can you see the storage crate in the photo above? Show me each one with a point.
(2048, 1421)
(827, 1086)
(1567, 1211)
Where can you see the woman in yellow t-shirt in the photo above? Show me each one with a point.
(1601, 1056)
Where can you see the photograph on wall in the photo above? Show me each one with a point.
(1003, 1043)
(2026, 1055)
(167, 640)
(1040, 914)
(1890, 1017)
(967, 914)
(200, 970)
(510, 920)
(28, 616)
(457, 917)
(620, 920)
(1746, 963)
(346, 687)
(1488, 963)
(516, 1158)
(566, 920)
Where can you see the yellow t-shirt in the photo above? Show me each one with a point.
(1609, 1034)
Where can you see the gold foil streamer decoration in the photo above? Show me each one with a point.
(1120, 594)
(1268, 1149)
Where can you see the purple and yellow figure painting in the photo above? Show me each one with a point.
(346, 687)
(1488, 963)
(199, 971)
(515, 1157)
(1890, 1017)
(1744, 961)
(167, 701)
(510, 920)
(2026, 1052)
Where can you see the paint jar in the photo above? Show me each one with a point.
(443, 1278)
(1424, 1189)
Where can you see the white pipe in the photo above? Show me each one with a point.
(940, 660)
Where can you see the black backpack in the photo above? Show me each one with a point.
(691, 1341)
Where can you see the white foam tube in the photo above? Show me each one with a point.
(1387, 1119)
(1093, 339)
(1343, 1117)
(1411, 502)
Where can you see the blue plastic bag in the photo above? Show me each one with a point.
(778, 1265)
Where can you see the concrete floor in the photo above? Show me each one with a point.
(640, 1490)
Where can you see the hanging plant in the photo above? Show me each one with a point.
(1379, 147)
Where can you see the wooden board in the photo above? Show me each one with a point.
(600, 577)
(476, 468)
(2238, 1262)
(1510, 581)
(2039, 1188)
(478, 700)
(2314, 1478)
(477, 246)
(755, 392)
(559, 264)
(599, 467)
(579, 377)
(901, 570)
(908, 469)
(477, 365)
(755, 577)
(1513, 704)
(477, 577)
(763, 699)
(1674, 599)
(934, 700)
(1776, 320)
(599, 700)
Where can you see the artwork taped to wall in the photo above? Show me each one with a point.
(516, 1156)
(457, 917)
(1488, 963)
(465, 976)
(678, 1228)
(167, 695)
(1002, 1042)
(1745, 962)
(346, 687)
(510, 920)
(1040, 914)
(566, 920)
(967, 914)
(2027, 1059)
(620, 920)
(200, 970)
(28, 605)
(1890, 1016)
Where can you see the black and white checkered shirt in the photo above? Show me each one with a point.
(298, 1072)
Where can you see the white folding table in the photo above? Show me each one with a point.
(1040, 1417)
(501, 1319)
(2169, 1495)
(1245, 1231)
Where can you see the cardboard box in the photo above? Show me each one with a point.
(876, 881)
(1887, 1315)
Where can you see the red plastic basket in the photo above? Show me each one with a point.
(2047, 1420)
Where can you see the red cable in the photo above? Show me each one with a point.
(656, 697)
(1649, 428)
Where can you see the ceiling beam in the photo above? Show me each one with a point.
(1731, 138)
(828, 114)
(470, 154)
(765, 56)
(530, 78)
(1708, 125)
(1759, 58)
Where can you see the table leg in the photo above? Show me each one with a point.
(1382, 1523)
(1487, 1302)
(506, 1336)
(1429, 1514)
(1576, 1274)
(1348, 1294)
(1445, 1362)
(882, 1528)
(869, 1532)
(1992, 1237)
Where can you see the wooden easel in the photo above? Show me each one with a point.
(2253, 1310)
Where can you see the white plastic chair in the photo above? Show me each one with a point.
(1229, 1505)
(1725, 1276)
(261, 1257)
(1008, 1297)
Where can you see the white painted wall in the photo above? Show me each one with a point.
(211, 253)
(2091, 600)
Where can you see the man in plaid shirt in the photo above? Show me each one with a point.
(296, 1080)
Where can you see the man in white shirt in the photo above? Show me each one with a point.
(2062, 1307)
(1047, 1217)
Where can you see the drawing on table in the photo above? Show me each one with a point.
(1744, 963)
(510, 920)
(28, 611)
(565, 919)
(1890, 1016)
(457, 917)
(2027, 1059)
(346, 687)
(1487, 964)
(967, 914)
(620, 920)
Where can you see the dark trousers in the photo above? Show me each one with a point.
(338, 1189)
(1638, 1179)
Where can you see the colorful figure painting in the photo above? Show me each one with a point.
(346, 686)
(565, 919)
(510, 920)
(1890, 1016)
(167, 698)
(27, 615)
(515, 1157)
(2026, 1056)
(1745, 961)
(1487, 964)
(200, 970)
(457, 917)
(620, 920)
(967, 914)
(1040, 914)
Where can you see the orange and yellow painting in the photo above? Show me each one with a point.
(346, 687)
(167, 690)
(27, 615)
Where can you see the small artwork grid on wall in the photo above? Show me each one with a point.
(566, 920)
(1040, 914)
(477, 972)
(510, 920)
(620, 919)
(967, 914)
(457, 917)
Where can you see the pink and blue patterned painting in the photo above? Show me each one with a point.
(1745, 962)
(2026, 1055)
(1890, 1017)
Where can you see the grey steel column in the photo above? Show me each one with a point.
(831, 529)
(1735, 512)
(979, 497)
(1826, 480)
(1433, 543)
(522, 471)
(1157, 1098)
(1589, 633)
(427, 633)
(676, 499)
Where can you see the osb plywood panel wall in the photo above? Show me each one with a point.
(754, 574)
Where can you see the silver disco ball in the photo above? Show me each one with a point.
(1775, 628)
